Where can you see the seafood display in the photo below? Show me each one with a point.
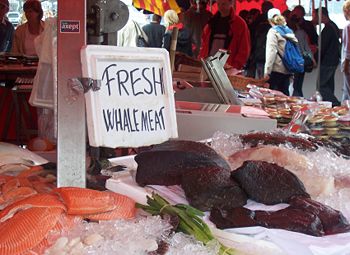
(31, 213)
(268, 169)
(298, 175)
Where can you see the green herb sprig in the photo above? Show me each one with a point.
(190, 221)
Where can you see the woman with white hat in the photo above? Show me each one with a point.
(279, 76)
(184, 41)
(6, 28)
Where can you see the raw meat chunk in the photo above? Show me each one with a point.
(291, 219)
(211, 186)
(268, 183)
(165, 163)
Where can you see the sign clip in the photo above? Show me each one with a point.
(78, 86)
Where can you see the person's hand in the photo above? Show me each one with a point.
(232, 71)
(266, 77)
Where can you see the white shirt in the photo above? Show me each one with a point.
(29, 48)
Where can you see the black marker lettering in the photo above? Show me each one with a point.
(134, 81)
(122, 82)
(106, 74)
(150, 91)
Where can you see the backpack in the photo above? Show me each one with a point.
(141, 37)
(292, 58)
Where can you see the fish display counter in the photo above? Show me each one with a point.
(294, 195)
(250, 193)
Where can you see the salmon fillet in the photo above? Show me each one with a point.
(81, 201)
(27, 228)
(35, 201)
(125, 209)
(20, 192)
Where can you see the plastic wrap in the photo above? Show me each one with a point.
(44, 92)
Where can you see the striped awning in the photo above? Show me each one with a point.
(157, 6)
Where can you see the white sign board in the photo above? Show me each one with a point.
(135, 104)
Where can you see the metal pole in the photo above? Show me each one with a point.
(71, 134)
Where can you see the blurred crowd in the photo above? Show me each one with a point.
(253, 44)
(250, 38)
(21, 40)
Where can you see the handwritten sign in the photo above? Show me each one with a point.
(135, 105)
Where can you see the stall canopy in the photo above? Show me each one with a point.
(250, 4)
(160, 6)
(157, 6)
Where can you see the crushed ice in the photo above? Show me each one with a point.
(137, 236)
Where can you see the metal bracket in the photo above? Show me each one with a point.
(78, 86)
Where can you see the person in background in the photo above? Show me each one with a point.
(25, 34)
(346, 52)
(303, 44)
(275, 71)
(307, 26)
(330, 57)
(154, 31)
(244, 15)
(226, 30)
(127, 36)
(259, 30)
(252, 16)
(286, 14)
(184, 42)
(6, 28)
(195, 18)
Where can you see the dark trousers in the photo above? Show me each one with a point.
(327, 84)
(280, 82)
(298, 84)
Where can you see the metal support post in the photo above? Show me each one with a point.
(71, 135)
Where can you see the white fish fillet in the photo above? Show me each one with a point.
(11, 154)
(291, 160)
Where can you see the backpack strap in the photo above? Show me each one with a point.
(281, 32)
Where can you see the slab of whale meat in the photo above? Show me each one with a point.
(165, 163)
(333, 221)
(340, 149)
(276, 138)
(308, 143)
(212, 186)
(239, 217)
(268, 183)
(292, 219)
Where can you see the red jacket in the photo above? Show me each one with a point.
(239, 48)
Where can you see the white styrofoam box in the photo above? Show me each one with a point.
(135, 104)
